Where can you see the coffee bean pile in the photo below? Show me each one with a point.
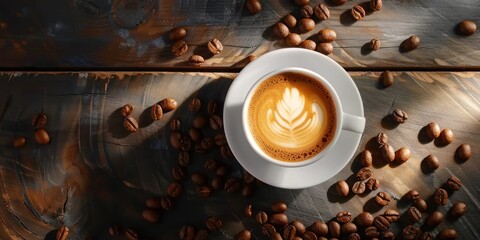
(156, 112)
(40, 134)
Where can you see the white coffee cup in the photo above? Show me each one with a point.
(344, 121)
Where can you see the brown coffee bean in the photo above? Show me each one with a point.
(454, 183)
(211, 164)
(247, 177)
(153, 202)
(175, 138)
(150, 215)
(199, 148)
(348, 228)
(261, 217)
(253, 6)
(402, 155)
(166, 203)
(412, 195)
(131, 234)
(414, 214)
(321, 11)
(324, 48)
(387, 235)
(458, 209)
(277, 236)
(248, 210)
(432, 162)
(365, 158)
(289, 232)
(375, 44)
(195, 134)
(223, 170)
(183, 159)
(279, 207)
(176, 34)
(214, 223)
(376, 5)
(216, 122)
(175, 124)
(363, 174)
(186, 232)
(463, 152)
(130, 124)
(364, 219)
(232, 185)
(302, 2)
(19, 141)
(215, 46)
(156, 112)
(358, 187)
(354, 236)
(326, 35)
(226, 152)
(179, 48)
(217, 182)
(114, 230)
(344, 217)
(381, 223)
(421, 205)
(386, 78)
(212, 107)
(200, 121)
(196, 60)
(186, 142)
(293, 39)
(199, 178)
(371, 232)
(41, 136)
(174, 189)
(278, 219)
(207, 143)
(195, 105)
(220, 139)
(399, 116)
(387, 153)
(281, 30)
(434, 219)
(168, 104)
(382, 139)
(306, 11)
(432, 130)
(383, 198)
(410, 43)
(466, 27)
(62, 233)
(201, 234)
(319, 228)
(447, 234)
(178, 173)
(39, 120)
(268, 230)
(248, 190)
(244, 235)
(372, 184)
(426, 236)
(334, 229)
(440, 197)
(446, 136)
(290, 21)
(126, 110)
(342, 188)
(391, 215)
(411, 232)
(308, 44)
(358, 13)
(338, 2)
(299, 226)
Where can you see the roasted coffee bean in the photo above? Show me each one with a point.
(226, 152)
(391, 215)
(383, 198)
(232, 185)
(195, 134)
(324, 48)
(253, 6)
(175, 138)
(299, 227)
(268, 230)
(195, 105)
(248, 190)
(156, 112)
(215, 46)
(446, 136)
(432, 130)
(293, 39)
(426, 236)
(212, 107)
(354, 236)
(372, 184)
(382, 139)
(217, 182)
(220, 139)
(364, 219)
(447, 234)
(179, 48)
(19, 141)
(458, 209)
(302, 2)
(338, 2)
(168, 104)
(432, 162)
(211, 165)
(261, 217)
(62, 233)
(334, 229)
(178, 173)
(126, 110)
(213, 223)
(248, 210)
(434, 219)
(387, 153)
(420, 204)
(440, 197)
(199, 148)
(348, 228)
(344, 217)
(411, 232)
(399, 116)
(358, 187)
(114, 230)
(376, 5)
(374, 45)
(319, 228)
(277, 236)
(342, 188)
(41, 136)
(363, 174)
(186, 232)
(326, 35)
(174, 189)
(308, 44)
(306, 25)
(186, 143)
(279, 207)
(321, 11)
(466, 27)
(175, 124)
(290, 21)
(196, 60)
(306, 11)
(371, 232)
(166, 203)
(207, 143)
(281, 30)
(150, 215)
(387, 235)
(402, 155)
(412, 195)
(201, 234)
(153, 202)
(199, 178)
(278, 219)
(223, 170)
(289, 232)
(216, 122)
(183, 159)
(358, 13)
(131, 234)
(410, 43)
(463, 152)
(386, 78)
(200, 121)
(454, 183)
(366, 158)
(176, 34)
(414, 214)
(247, 177)
(39, 120)
(381, 223)
(244, 235)
(130, 124)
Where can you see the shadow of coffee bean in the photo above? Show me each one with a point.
(145, 118)
(365, 50)
(388, 123)
(115, 124)
(422, 136)
(371, 206)
(333, 197)
(346, 18)
(51, 235)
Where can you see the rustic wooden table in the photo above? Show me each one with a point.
(94, 174)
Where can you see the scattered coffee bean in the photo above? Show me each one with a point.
(232, 185)
(321, 11)
(386, 78)
(39, 120)
(176, 34)
(195, 134)
(41, 136)
(290, 21)
(366, 158)
(383, 198)
(412, 195)
(217, 182)
(253, 6)
(420, 204)
(326, 35)
(183, 158)
(62, 233)
(207, 143)
(402, 155)
(376, 5)
(364, 219)
(168, 104)
(277, 236)
(196, 60)
(463, 152)
(278, 219)
(175, 124)
(454, 183)
(281, 30)
(289, 232)
(375, 44)
(223, 170)
(466, 27)
(306, 11)
(156, 112)
(186, 232)
(411, 232)
(308, 44)
(324, 48)
(372, 184)
(391, 215)
(358, 13)
(434, 219)
(382, 139)
(212, 107)
(447, 234)
(201, 234)
(195, 105)
(248, 190)
(114, 230)
(432, 130)
(211, 164)
(200, 121)
(244, 235)
(179, 48)
(268, 230)
(387, 153)
(410, 43)
(338, 2)
(153, 202)
(358, 187)
(319, 228)
(432, 162)
(414, 214)
(399, 116)
(199, 149)
(363, 174)
(344, 217)
(126, 110)
(213, 223)
(174, 190)
(248, 210)
(299, 227)
(226, 152)
(458, 209)
(247, 177)
(302, 2)
(19, 141)
(348, 228)
(354, 236)
(199, 178)
(293, 39)
(150, 215)
(220, 139)
(371, 232)
(178, 173)
(216, 122)
(381, 223)
(175, 138)
(130, 124)
(131, 234)
(426, 236)
(279, 207)
(215, 46)
(440, 197)
(186, 142)
(166, 203)
(342, 188)
(334, 229)
(261, 217)
(446, 136)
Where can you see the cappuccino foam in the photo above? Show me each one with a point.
(291, 117)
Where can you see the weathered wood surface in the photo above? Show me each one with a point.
(94, 174)
(86, 34)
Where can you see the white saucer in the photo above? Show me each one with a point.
(270, 173)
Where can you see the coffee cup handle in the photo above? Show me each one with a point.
(353, 123)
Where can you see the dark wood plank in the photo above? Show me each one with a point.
(94, 174)
(85, 34)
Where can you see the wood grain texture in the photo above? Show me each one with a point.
(86, 34)
(94, 173)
